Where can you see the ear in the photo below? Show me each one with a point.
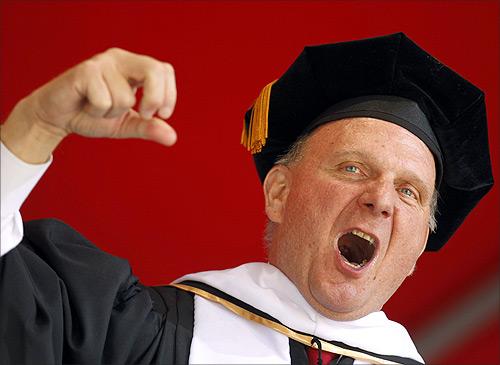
(426, 239)
(276, 187)
(421, 252)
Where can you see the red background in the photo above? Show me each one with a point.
(198, 206)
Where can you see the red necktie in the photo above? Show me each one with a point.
(313, 355)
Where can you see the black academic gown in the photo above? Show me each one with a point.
(62, 300)
(65, 301)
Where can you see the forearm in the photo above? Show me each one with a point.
(26, 138)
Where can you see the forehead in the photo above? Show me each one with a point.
(379, 141)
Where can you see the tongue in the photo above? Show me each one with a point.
(354, 249)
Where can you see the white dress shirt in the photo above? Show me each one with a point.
(18, 178)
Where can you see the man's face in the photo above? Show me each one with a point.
(359, 175)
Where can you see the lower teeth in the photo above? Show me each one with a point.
(355, 265)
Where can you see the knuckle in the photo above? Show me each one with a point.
(108, 56)
(102, 103)
(155, 68)
(153, 101)
(88, 68)
(168, 68)
(125, 101)
(114, 51)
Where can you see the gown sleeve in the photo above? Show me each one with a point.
(63, 300)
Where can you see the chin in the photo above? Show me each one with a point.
(340, 301)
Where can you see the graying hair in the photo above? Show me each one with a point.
(295, 153)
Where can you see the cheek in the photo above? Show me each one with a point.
(395, 268)
(305, 203)
(410, 228)
(407, 241)
(306, 223)
(315, 199)
(404, 255)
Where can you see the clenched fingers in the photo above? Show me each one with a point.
(170, 92)
(122, 95)
(97, 93)
(157, 79)
(110, 81)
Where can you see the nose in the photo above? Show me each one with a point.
(378, 199)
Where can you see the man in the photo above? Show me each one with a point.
(357, 145)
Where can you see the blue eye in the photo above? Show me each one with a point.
(408, 192)
(352, 169)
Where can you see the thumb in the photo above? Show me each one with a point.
(154, 129)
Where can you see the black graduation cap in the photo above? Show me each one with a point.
(388, 78)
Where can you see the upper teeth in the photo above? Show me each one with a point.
(366, 236)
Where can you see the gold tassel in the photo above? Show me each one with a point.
(254, 138)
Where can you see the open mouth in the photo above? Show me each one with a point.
(356, 248)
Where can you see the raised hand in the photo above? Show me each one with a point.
(95, 99)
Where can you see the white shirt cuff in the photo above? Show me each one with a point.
(18, 178)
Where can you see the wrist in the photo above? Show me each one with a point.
(29, 139)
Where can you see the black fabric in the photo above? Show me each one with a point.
(157, 299)
(63, 300)
(298, 353)
(392, 65)
(391, 358)
(219, 293)
(298, 356)
(179, 324)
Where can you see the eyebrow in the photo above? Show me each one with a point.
(409, 176)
